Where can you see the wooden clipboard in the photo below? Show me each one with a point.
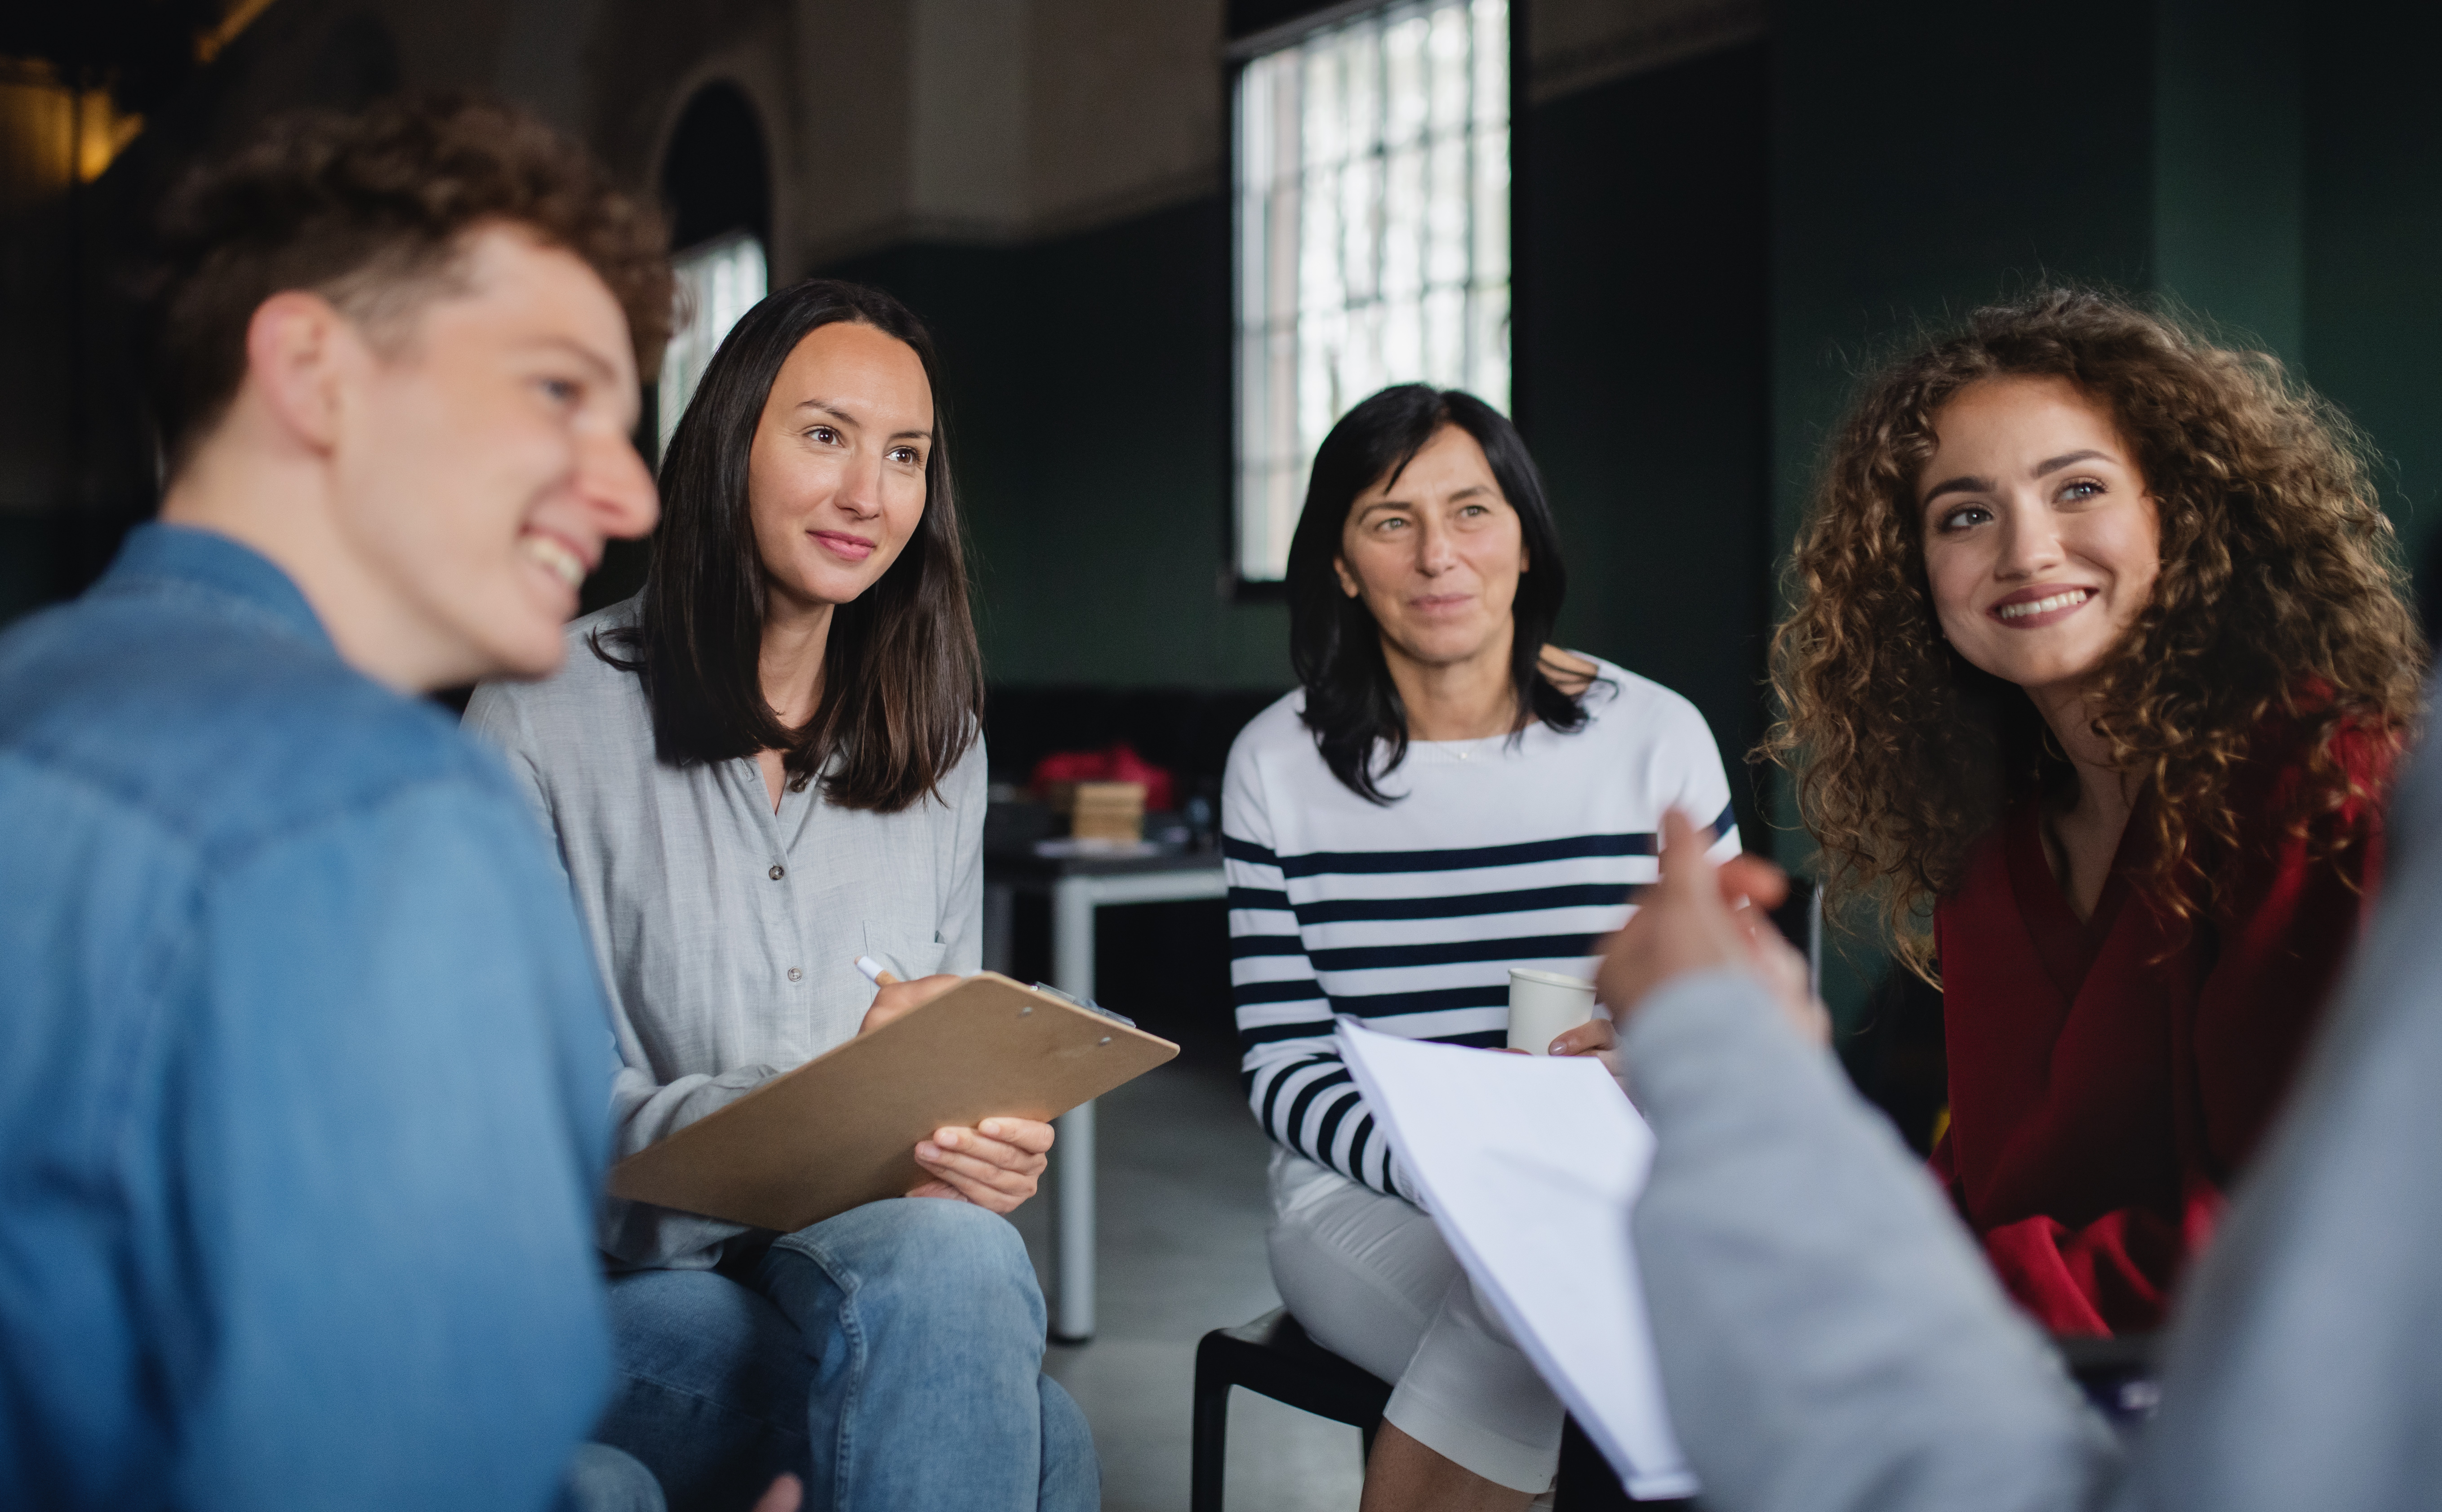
(841, 1130)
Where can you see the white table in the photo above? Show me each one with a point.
(1080, 886)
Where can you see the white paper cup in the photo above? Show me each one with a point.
(1543, 1005)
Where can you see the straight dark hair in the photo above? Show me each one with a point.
(1336, 646)
(903, 681)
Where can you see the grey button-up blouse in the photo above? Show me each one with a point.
(727, 935)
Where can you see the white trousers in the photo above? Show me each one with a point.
(1370, 1279)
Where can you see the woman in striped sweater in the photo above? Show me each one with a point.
(1445, 797)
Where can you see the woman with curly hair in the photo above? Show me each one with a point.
(2100, 656)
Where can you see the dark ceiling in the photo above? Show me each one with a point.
(141, 50)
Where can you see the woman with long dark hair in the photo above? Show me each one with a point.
(1448, 796)
(765, 765)
(2100, 658)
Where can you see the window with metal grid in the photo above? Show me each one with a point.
(718, 283)
(1373, 225)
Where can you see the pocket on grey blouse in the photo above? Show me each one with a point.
(909, 952)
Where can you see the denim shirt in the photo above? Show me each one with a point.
(302, 1067)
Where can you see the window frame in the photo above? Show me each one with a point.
(664, 420)
(1240, 53)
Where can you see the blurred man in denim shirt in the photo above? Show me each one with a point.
(303, 1061)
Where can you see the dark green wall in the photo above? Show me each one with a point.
(1928, 156)
(2228, 157)
(1647, 336)
(2275, 169)
(2373, 300)
(1088, 384)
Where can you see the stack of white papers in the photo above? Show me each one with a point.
(1530, 1166)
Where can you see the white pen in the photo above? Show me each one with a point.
(875, 972)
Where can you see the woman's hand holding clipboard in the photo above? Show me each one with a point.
(842, 1130)
(997, 1164)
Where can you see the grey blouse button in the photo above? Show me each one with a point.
(778, 871)
(795, 974)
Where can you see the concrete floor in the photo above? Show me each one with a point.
(1183, 1209)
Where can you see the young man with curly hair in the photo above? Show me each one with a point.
(301, 1052)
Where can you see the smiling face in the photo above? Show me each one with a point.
(835, 485)
(2040, 541)
(1436, 554)
(482, 456)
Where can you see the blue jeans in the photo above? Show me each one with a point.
(602, 1479)
(892, 1358)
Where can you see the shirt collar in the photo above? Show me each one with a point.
(182, 559)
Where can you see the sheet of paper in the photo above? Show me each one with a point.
(1530, 1166)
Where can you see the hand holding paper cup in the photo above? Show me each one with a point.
(1543, 1005)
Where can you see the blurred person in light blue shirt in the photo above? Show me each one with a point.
(303, 1057)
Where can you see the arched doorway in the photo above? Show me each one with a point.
(717, 177)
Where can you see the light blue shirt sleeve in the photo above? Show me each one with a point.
(385, 1129)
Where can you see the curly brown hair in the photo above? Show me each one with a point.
(2280, 606)
(372, 212)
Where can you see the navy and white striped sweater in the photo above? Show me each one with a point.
(1411, 915)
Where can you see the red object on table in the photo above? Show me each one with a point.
(2109, 1077)
(1116, 763)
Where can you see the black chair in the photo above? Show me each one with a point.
(1272, 1357)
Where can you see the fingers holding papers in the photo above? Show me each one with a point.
(1594, 1037)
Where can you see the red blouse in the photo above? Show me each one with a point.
(2108, 1078)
